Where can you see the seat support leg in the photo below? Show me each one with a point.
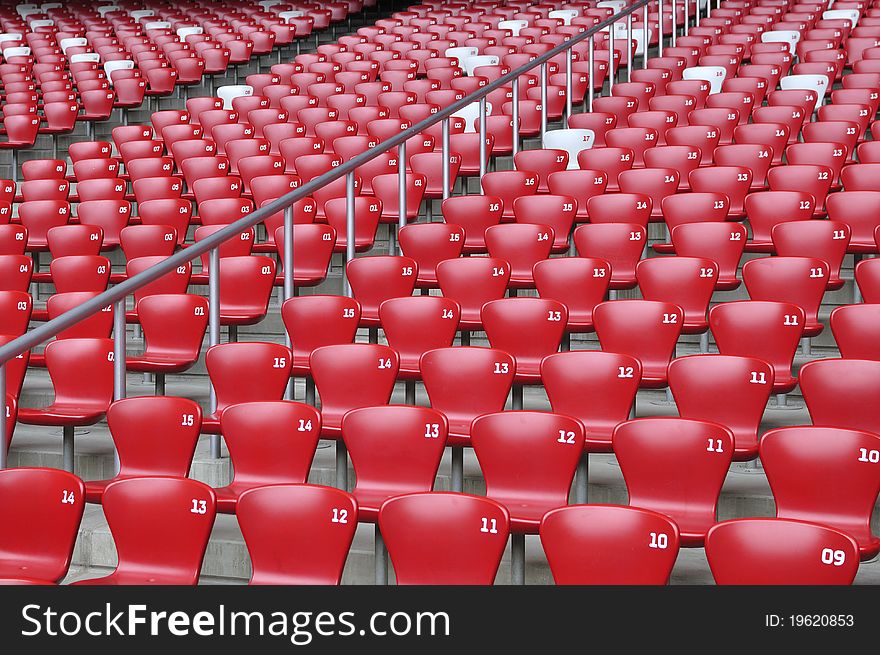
(457, 468)
(310, 391)
(160, 384)
(704, 342)
(381, 556)
(517, 399)
(581, 481)
(410, 391)
(67, 448)
(341, 465)
(517, 559)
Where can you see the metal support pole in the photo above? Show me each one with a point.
(410, 392)
(518, 559)
(704, 342)
(611, 71)
(646, 33)
(482, 140)
(288, 281)
(515, 116)
(629, 48)
(517, 396)
(660, 29)
(581, 480)
(806, 348)
(118, 362)
(445, 137)
(3, 436)
(568, 74)
(67, 448)
(349, 226)
(381, 556)
(592, 66)
(341, 450)
(674, 22)
(543, 101)
(686, 16)
(401, 189)
(457, 468)
(214, 329)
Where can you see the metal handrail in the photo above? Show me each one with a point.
(120, 291)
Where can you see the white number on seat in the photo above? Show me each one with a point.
(339, 516)
(432, 430)
(187, 419)
(715, 446)
(833, 557)
(489, 525)
(199, 507)
(659, 540)
(565, 436)
(68, 497)
(872, 456)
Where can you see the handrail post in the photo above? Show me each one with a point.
(629, 49)
(591, 64)
(119, 391)
(341, 450)
(611, 71)
(686, 16)
(543, 101)
(674, 22)
(401, 190)
(214, 330)
(445, 136)
(3, 436)
(660, 28)
(646, 33)
(568, 74)
(515, 116)
(349, 228)
(483, 145)
(289, 289)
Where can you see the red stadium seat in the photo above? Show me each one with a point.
(157, 543)
(416, 324)
(509, 445)
(444, 538)
(154, 436)
(687, 282)
(652, 450)
(394, 450)
(620, 244)
(840, 393)
(764, 551)
(731, 391)
(288, 436)
(245, 372)
(43, 524)
(297, 534)
(82, 377)
(647, 330)
(798, 280)
(854, 328)
(834, 458)
(528, 329)
(609, 545)
(597, 388)
(769, 331)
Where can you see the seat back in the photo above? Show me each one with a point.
(297, 533)
(444, 538)
(609, 545)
